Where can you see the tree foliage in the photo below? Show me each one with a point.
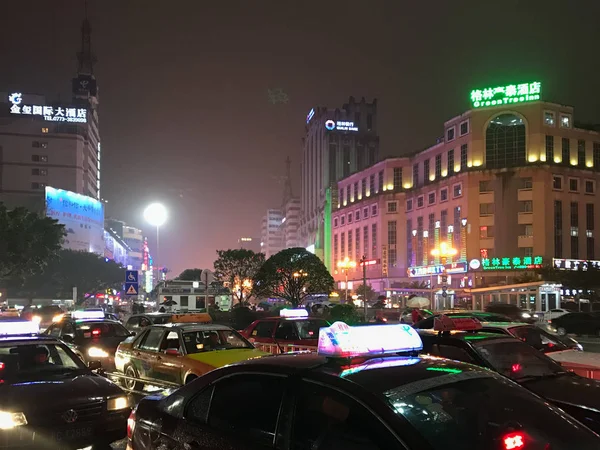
(90, 273)
(236, 268)
(28, 242)
(292, 274)
(367, 292)
(190, 275)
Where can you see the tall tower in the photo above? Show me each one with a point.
(287, 187)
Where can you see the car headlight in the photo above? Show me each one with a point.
(579, 347)
(117, 403)
(526, 316)
(10, 420)
(96, 352)
(57, 318)
(36, 319)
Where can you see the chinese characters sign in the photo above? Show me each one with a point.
(575, 264)
(514, 263)
(384, 260)
(504, 95)
(437, 269)
(340, 125)
(49, 113)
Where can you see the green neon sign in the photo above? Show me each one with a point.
(514, 263)
(444, 369)
(504, 95)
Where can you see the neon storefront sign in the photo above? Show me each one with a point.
(512, 263)
(505, 95)
(437, 269)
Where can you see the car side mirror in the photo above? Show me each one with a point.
(94, 365)
(172, 352)
(132, 333)
(67, 338)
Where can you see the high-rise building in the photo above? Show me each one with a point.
(338, 142)
(250, 243)
(271, 233)
(51, 143)
(290, 209)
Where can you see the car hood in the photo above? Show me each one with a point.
(576, 357)
(109, 344)
(220, 358)
(23, 395)
(568, 389)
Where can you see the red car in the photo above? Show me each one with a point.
(293, 328)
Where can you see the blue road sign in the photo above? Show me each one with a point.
(131, 276)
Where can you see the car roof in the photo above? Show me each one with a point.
(460, 335)
(505, 325)
(92, 320)
(193, 326)
(152, 314)
(28, 339)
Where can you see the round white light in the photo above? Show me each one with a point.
(155, 214)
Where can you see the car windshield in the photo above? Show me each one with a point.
(209, 340)
(538, 339)
(517, 360)
(24, 361)
(309, 329)
(89, 330)
(469, 411)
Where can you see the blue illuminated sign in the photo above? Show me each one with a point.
(340, 125)
(310, 115)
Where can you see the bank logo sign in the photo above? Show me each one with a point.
(505, 95)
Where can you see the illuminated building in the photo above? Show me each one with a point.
(338, 142)
(115, 248)
(46, 143)
(511, 186)
(250, 243)
(271, 236)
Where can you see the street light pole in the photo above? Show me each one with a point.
(345, 265)
(156, 215)
(363, 261)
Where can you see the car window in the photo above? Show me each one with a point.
(264, 329)
(309, 329)
(170, 341)
(210, 340)
(326, 419)
(89, 330)
(286, 331)
(53, 330)
(152, 340)
(145, 322)
(133, 322)
(68, 328)
(537, 338)
(23, 360)
(451, 352)
(249, 390)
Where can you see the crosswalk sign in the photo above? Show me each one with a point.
(132, 290)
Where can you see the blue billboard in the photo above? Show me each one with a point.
(82, 216)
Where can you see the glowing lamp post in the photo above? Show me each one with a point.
(156, 215)
(443, 252)
(344, 266)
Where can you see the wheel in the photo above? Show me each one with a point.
(132, 385)
(190, 378)
(561, 331)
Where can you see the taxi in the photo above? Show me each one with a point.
(366, 388)
(138, 322)
(461, 339)
(178, 353)
(292, 328)
(49, 399)
(90, 335)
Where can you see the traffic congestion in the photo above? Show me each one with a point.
(173, 380)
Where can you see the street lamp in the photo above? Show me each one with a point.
(156, 215)
(344, 266)
(443, 251)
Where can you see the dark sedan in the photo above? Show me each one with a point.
(581, 323)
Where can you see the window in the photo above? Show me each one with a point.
(558, 229)
(426, 171)
(450, 132)
(363, 188)
(397, 177)
(372, 184)
(342, 220)
(450, 162)
(526, 230)
(464, 150)
(596, 155)
(43, 144)
(392, 241)
(505, 142)
(36, 185)
(420, 201)
(35, 144)
(348, 193)
(526, 206)
(380, 181)
(44, 130)
(557, 181)
(350, 217)
(485, 186)
(369, 121)
(573, 184)
(341, 197)
(373, 210)
(356, 244)
(416, 175)
(264, 328)
(409, 205)
(456, 190)
(392, 207)
(549, 118)
(566, 150)
(374, 240)
(355, 192)
(250, 388)
(335, 222)
(365, 212)
(464, 127)
(574, 215)
(565, 120)
(343, 245)
(444, 223)
(287, 331)
(431, 198)
(335, 247)
(589, 216)
(366, 240)
(589, 232)
(357, 215)
(549, 148)
(346, 162)
(183, 300)
(526, 183)
(590, 186)
(451, 352)
(486, 232)
(438, 166)
(581, 152)
(443, 194)
(486, 209)
(152, 339)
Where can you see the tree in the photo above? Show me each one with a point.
(292, 274)
(236, 269)
(28, 242)
(367, 292)
(89, 273)
(190, 275)
(586, 280)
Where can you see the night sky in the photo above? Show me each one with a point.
(185, 116)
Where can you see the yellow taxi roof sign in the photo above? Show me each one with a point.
(191, 318)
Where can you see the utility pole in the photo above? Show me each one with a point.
(206, 292)
(363, 261)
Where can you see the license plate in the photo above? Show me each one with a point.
(72, 434)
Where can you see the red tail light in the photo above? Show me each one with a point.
(516, 367)
(131, 425)
(96, 332)
(514, 441)
(1, 366)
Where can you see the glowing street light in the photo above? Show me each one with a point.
(344, 266)
(156, 215)
(443, 251)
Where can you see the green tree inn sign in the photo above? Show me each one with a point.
(504, 95)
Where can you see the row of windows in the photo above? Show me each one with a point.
(351, 192)
(565, 152)
(431, 197)
(438, 173)
(463, 129)
(353, 241)
(38, 144)
(39, 172)
(355, 216)
(574, 230)
(589, 186)
(550, 119)
(39, 158)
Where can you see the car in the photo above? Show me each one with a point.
(482, 316)
(49, 399)
(555, 313)
(176, 354)
(139, 321)
(347, 396)
(513, 311)
(43, 315)
(580, 323)
(461, 339)
(406, 315)
(90, 336)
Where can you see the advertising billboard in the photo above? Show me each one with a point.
(82, 216)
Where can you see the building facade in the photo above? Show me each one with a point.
(510, 187)
(250, 243)
(271, 233)
(338, 142)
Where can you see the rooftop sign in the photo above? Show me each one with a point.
(504, 95)
(49, 113)
(340, 125)
(513, 263)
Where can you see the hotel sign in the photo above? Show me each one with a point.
(437, 269)
(514, 263)
(49, 113)
(505, 95)
(384, 260)
(574, 264)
